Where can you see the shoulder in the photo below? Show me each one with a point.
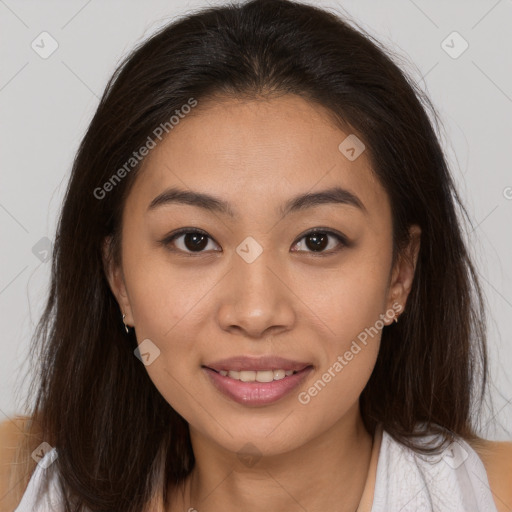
(497, 459)
(18, 437)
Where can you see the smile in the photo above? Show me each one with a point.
(256, 388)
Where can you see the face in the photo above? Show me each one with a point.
(254, 273)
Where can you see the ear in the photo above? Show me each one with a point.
(115, 278)
(403, 272)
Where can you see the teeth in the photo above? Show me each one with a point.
(258, 376)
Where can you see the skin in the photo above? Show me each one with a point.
(197, 309)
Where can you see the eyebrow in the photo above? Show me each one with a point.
(334, 195)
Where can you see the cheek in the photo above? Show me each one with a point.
(351, 310)
(164, 314)
(166, 299)
(351, 304)
(168, 304)
(352, 297)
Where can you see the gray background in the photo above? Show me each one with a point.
(47, 103)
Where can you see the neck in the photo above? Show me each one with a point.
(327, 473)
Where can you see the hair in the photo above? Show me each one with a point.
(120, 443)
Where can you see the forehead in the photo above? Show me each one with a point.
(254, 152)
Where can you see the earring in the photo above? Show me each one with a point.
(395, 319)
(125, 326)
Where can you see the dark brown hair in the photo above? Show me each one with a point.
(118, 440)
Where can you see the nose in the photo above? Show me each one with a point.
(257, 300)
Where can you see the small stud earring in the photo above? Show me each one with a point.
(125, 326)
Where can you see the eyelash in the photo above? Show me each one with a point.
(167, 241)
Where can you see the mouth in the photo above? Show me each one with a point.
(262, 376)
(256, 363)
(256, 388)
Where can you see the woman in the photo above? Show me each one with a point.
(262, 198)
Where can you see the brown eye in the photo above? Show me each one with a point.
(318, 241)
(188, 240)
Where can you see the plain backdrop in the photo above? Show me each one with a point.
(47, 103)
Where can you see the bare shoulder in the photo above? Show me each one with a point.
(497, 459)
(19, 436)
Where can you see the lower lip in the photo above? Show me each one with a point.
(257, 393)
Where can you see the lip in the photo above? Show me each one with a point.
(240, 363)
(253, 394)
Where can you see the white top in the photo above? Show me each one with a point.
(453, 481)
(405, 481)
(38, 497)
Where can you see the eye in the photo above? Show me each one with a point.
(188, 240)
(317, 241)
(193, 240)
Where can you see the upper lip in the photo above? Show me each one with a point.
(240, 363)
